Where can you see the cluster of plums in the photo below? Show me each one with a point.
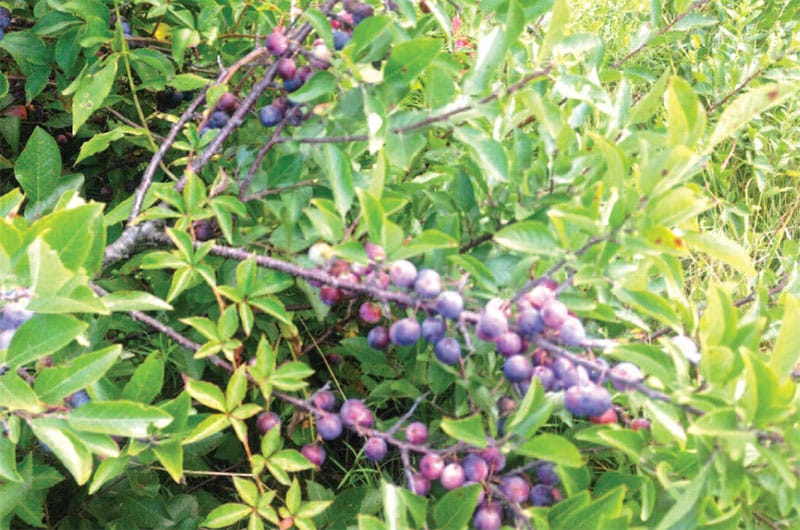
(452, 469)
(221, 113)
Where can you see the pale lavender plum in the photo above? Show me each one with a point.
(355, 414)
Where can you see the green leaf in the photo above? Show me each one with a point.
(54, 384)
(553, 448)
(687, 502)
(686, 119)
(206, 393)
(38, 166)
(134, 301)
(290, 376)
(209, 426)
(666, 422)
(65, 445)
(8, 461)
(290, 460)
(108, 469)
(469, 430)
(530, 237)
(406, 62)
(321, 25)
(374, 216)
(322, 83)
(170, 454)
(424, 243)
(226, 515)
(559, 18)
(16, 394)
(339, 173)
(747, 106)
(489, 153)
(30, 344)
(786, 354)
(455, 508)
(491, 50)
(650, 304)
(119, 418)
(74, 247)
(237, 388)
(99, 143)
(719, 247)
(91, 91)
(146, 382)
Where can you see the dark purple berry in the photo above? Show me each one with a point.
(355, 414)
(340, 39)
(315, 454)
(448, 350)
(431, 466)
(403, 273)
(266, 421)
(13, 315)
(432, 329)
(530, 322)
(325, 400)
(378, 338)
(639, 424)
(625, 376)
(204, 229)
(508, 344)
(320, 55)
(518, 368)
(449, 304)
(226, 103)
(286, 68)
(546, 473)
(554, 314)
(545, 376)
(217, 120)
(329, 426)
(506, 405)
(493, 457)
(304, 73)
(5, 17)
(378, 279)
(488, 516)
(370, 312)
(290, 85)
(329, 294)
(405, 332)
(540, 296)
(541, 495)
(452, 476)
(599, 375)
(587, 400)
(375, 449)
(270, 115)
(428, 283)
(475, 468)
(571, 332)
(492, 324)
(420, 484)
(79, 398)
(515, 488)
(277, 43)
(417, 433)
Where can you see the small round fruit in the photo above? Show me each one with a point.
(452, 476)
(293, 83)
(329, 426)
(431, 466)
(315, 454)
(277, 43)
(571, 332)
(449, 304)
(403, 273)
(227, 102)
(640, 424)
(285, 68)
(515, 488)
(587, 400)
(475, 468)
(405, 332)
(554, 313)
(329, 294)
(546, 473)
(488, 516)
(508, 344)
(266, 421)
(375, 449)
(608, 417)
(270, 116)
(448, 350)
(492, 324)
(370, 312)
(545, 376)
(375, 252)
(420, 485)
(378, 338)
(625, 376)
(217, 120)
(433, 329)
(428, 283)
(79, 399)
(530, 322)
(417, 433)
(340, 39)
(506, 405)
(325, 400)
(355, 414)
(540, 296)
(13, 315)
(541, 495)
(320, 55)
(517, 369)
(493, 457)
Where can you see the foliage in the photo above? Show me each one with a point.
(159, 296)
